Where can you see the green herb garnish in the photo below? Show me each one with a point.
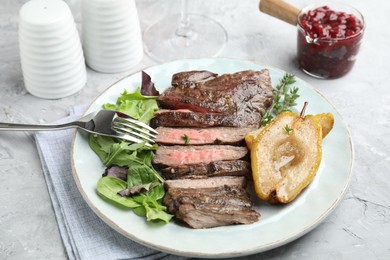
(288, 129)
(186, 139)
(284, 98)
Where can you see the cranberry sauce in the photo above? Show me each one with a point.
(328, 41)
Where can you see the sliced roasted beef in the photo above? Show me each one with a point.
(209, 217)
(205, 170)
(245, 91)
(203, 183)
(181, 155)
(187, 118)
(191, 78)
(201, 136)
(210, 202)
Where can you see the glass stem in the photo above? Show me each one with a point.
(184, 28)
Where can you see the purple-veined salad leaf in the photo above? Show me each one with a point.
(148, 88)
(138, 189)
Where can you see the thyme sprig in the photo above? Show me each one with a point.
(284, 98)
(186, 139)
(288, 129)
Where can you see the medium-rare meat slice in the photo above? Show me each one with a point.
(188, 118)
(181, 155)
(229, 93)
(205, 170)
(201, 136)
(211, 202)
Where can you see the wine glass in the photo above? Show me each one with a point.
(184, 35)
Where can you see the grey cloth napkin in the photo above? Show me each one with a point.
(84, 234)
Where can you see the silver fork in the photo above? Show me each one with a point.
(102, 122)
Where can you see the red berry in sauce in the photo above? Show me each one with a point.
(318, 19)
(328, 41)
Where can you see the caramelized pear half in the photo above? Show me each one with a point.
(285, 156)
(251, 137)
(326, 120)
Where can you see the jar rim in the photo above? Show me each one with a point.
(345, 8)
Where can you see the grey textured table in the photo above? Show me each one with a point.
(358, 229)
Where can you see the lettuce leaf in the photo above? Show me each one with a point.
(135, 105)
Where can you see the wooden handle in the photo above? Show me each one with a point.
(281, 10)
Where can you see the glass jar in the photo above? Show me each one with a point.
(329, 37)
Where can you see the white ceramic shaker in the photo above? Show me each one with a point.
(51, 55)
(111, 35)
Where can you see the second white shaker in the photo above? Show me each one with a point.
(111, 35)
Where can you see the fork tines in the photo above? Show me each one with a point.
(136, 130)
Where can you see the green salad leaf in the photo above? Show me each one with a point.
(140, 174)
(135, 105)
(118, 152)
(108, 187)
(143, 191)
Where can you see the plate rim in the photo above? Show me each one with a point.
(256, 249)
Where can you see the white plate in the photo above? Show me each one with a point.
(278, 224)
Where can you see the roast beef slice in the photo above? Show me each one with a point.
(182, 155)
(205, 170)
(188, 118)
(201, 136)
(205, 183)
(210, 202)
(229, 93)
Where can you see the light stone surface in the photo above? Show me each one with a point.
(358, 229)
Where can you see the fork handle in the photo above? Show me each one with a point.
(31, 127)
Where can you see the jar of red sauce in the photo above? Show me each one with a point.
(329, 37)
